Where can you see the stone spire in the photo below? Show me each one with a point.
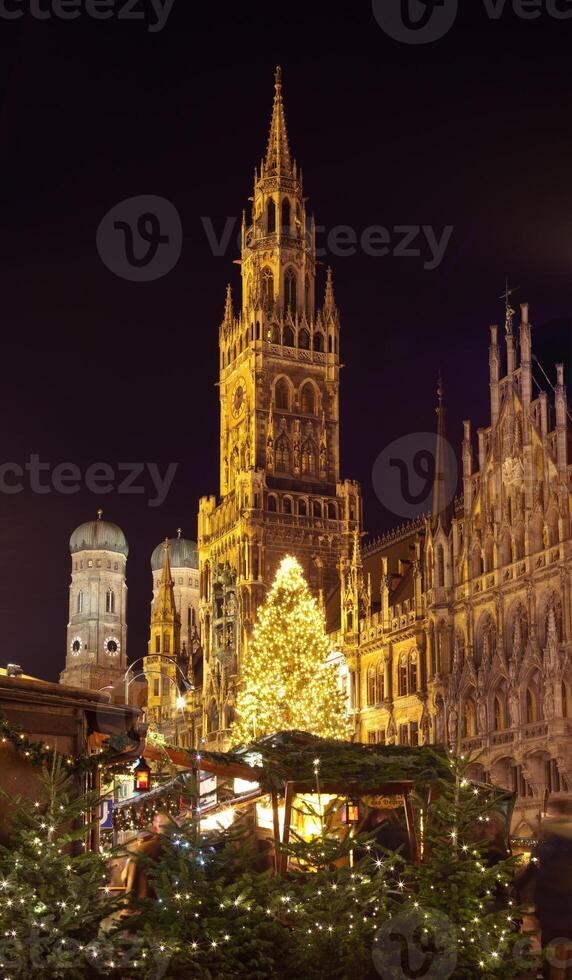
(228, 309)
(329, 299)
(164, 608)
(278, 160)
(442, 490)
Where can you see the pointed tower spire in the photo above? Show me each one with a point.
(228, 309)
(329, 299)
(442, 496)
(164, 608)
(278, 160)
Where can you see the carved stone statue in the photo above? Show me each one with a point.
(514, 708)
(440, 719)
(453, 725)
(548, 701)
(482, 716)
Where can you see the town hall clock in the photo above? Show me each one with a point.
(238, 397)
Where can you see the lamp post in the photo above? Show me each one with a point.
(185, 682)
(108, 687)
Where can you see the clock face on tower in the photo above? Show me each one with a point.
(238, 396)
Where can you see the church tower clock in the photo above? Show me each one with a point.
(280, 486)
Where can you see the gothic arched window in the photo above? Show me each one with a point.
(440, 566)
(79, 606)
(489, 554)
(267, 287)
(272, 504)
(318, 341)
(309, 458)
(499, 713)
(413, 675)
(290, 291)
(304, 339)
(380, 681)
(308, 399)
(212, 717)
(307, 295)
(531, 714)
(110, 601)
(287, 505)
(288, 336)
(402, 685)
(282, 455)
(470, 727)
(371, 686)
(271, 217)
(303, 508)
(282, 395)
(286, 216)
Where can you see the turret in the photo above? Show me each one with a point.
(525, 360)
(561, 423)
(467, 454)
(494, 367)
(443, 492)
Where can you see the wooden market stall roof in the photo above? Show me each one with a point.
(284, 757)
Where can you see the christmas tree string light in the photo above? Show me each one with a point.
(287, 682)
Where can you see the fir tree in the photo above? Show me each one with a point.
(52, 887)
(210, 915)
(339, 891)
(459, 914)
(287, 681)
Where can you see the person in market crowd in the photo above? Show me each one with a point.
(146, 846)
(388, 832)
(549, 877)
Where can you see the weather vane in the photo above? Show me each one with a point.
(509, 312)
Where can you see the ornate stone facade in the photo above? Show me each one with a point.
(466, 637)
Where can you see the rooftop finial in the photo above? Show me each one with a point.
(179, 532)
(228, 310)
(278, 161)
(99, 514)
(509, 312)
(329, 301)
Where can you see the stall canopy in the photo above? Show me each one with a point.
(293, 756)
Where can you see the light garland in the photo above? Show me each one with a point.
(40, 754)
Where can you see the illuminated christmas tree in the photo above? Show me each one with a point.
(287, 682)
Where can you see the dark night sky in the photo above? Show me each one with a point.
(472, 131)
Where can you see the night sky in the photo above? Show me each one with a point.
(471, 131)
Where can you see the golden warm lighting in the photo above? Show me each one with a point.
(287, 681)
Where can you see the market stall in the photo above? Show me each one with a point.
(294, 783)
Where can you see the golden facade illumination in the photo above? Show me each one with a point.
(280, 488)
(164, 642)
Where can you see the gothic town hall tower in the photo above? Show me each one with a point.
(280, 486)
